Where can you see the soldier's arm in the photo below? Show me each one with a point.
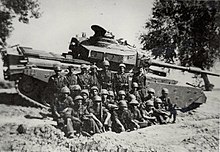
(54, 108)
(115, 117)
(107, 118)
(96, 119)
(145, 116)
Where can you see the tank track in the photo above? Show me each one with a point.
(13, 96)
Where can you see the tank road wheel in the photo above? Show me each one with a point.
(26, 85)
(31, 87)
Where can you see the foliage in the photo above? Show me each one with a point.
(192, 27)
(9, 9)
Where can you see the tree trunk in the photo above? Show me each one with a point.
(208, 85)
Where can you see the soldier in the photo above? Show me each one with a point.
(83, 78)
(105, 78)
(135, 112)
(147, 112)
(71, 78)
(86, 101)
(167, 105)
(125, 117)
(137, 93)
(140, 78)
(111, 97)
(94, 91)
(151, 94)
(55, 83)
(121, 79)
(94, 76)
(160, 113)
(81, 120)
(104, 96)
(60, 105)
(121, 95)
(74, 90)
(100, 114)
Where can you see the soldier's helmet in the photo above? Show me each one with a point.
(113, 106)
(158, 100)
(151, 90)
(106, 63)
(149, 103)
(75, 87)
(97, 99)
(132, 96)
(165, 90)
(134, 102)
(95, 88)
(83, 66)
(84, 91)
(121, 92)
(93, 66)
(65, 90)
(78, 98)
(123, 103)
(135, 85)
(57, 68)
(122, 65)
(104, 92)
(111, 93)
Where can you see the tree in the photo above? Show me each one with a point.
(191, 27)
(10, 9)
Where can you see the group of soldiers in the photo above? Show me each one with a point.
(95, 101)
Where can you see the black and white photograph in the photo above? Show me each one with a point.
(109, 75)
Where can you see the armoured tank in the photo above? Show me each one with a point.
(32, 68)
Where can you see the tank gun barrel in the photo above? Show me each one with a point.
(189, 69)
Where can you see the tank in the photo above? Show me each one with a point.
(32, 68)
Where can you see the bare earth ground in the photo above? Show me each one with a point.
(197, 130)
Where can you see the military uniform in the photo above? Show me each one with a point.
(94, 81)
(168, 106)
(83, 79)
(55, 83)
(125, 117)
(120, 81)
(59, 107)
(105, 79)
(71, 79)
(138, 95)
(140, 79)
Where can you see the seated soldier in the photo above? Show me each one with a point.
(94, 91)
(135, 92)
(151, 94)
(79, 120)
(125, 117)
(116, 125)
(74, 90)
(100, 114)
(167, 105)
(147, 112)
(60, 105)
(104, 96)
(86, 101)
(136, 114)
(121, 95)
(159, 112)
(111, 97)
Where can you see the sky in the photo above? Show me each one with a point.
(63, 19)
